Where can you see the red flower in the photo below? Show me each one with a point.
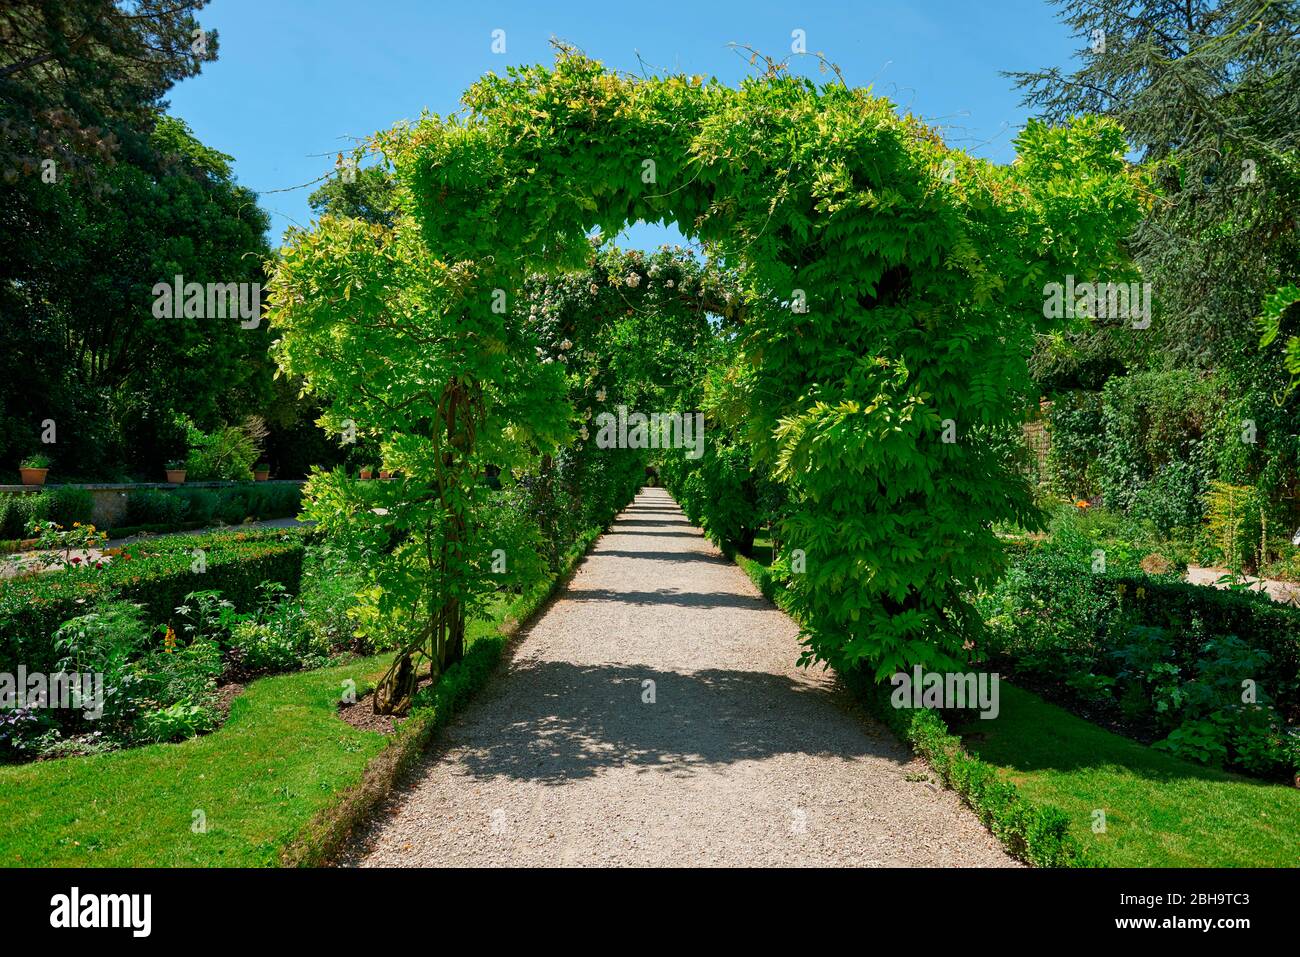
(76, 560)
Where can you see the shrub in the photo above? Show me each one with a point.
(155, 507)
(69, 505)
(228, 453)
(1153, 419)
(200, 503)
(1166, 653)
(176, 722)
(1235, 519)
(1074, 425)
(23, 509)
(159, 575)
(105, 642)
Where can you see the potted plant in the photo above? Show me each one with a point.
(33, 469)
(175, 472)
(385, 473)
(261, 471)
(366, 472)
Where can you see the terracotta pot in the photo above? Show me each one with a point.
(366, 473)
(175, 476)
(261, 475)
(384, 473)
(33, 476)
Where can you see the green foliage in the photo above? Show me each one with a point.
(1165, 655)
(922, 297)
(176, 722)
(1235, 519)
(159, 575)
(717, 491)
(1074, 425)
(370, 196)
(64, 506)
(1155, 427)
(227, 453)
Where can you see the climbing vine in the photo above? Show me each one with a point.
(875, 295)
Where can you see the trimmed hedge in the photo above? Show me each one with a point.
(232, 505)
(158, 576)
(1108, 603)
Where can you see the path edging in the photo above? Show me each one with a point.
(320, 840)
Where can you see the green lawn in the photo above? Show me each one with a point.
(281, 755)
(1160, 811)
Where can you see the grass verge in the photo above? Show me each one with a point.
(1037, 774)
(255, 781)
(1159, 811)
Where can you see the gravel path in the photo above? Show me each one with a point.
(741, 759)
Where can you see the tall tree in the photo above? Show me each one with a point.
(1208, 92)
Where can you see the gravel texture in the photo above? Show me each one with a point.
(741, 759)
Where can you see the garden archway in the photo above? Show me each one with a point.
(888, 289)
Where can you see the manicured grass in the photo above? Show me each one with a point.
(1160, 811)
(281, 755)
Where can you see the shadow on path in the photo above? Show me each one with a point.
(568, 721)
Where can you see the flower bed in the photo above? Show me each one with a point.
(157, 574)
(1210, 675)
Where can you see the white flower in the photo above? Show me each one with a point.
(633, 280)
(669, 283)
(584, 433)
(600, 394)
(594, 289)
(566, 345)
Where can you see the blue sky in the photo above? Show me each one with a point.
(298, 79)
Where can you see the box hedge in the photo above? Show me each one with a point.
(158, 575)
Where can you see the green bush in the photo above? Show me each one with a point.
(200, 503)
(229, 452)
(68, 505)
(23, 508)
(1151, 420)
(1074, 426)
(1165, 653)
(176, 722)
(152, 508)
(159, 575)
(155, 507)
